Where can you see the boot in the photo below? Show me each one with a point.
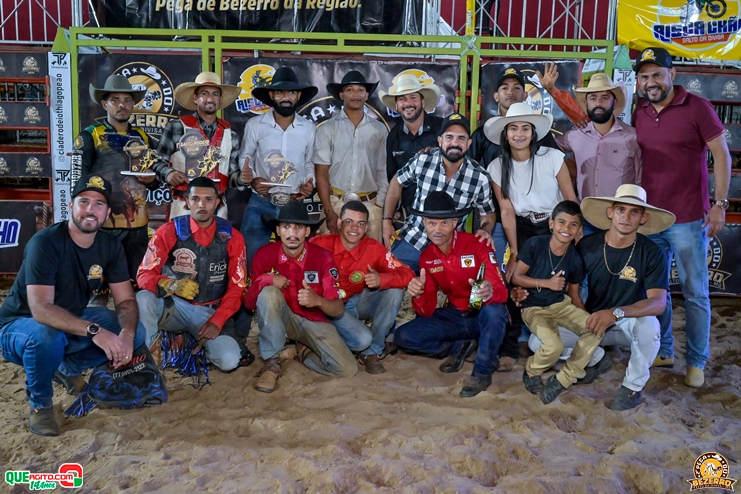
(268, 375)
(455, 361)
(41, 421)
(475, 385)
(372, 363)
(72, 384)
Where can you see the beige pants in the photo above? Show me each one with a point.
(375, 217)
(544, 322)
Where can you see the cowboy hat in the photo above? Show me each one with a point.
(184, 92)
(116, 84)
(593, 209)
(352, 77)
(518, 112)
(601, 82)
(409, 84)
(285, 79)
(439, 204)
(293, 212)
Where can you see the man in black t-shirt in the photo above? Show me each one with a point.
(628, 281)
(45, 323)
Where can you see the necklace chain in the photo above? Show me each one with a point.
(604, 254)
(553, 270)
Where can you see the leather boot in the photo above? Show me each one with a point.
(41, 421)
(268, 375)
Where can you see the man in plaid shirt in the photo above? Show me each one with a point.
(443, 169)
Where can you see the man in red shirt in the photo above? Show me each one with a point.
(451, 263)
(373, 280)
(194, 274)
(295, 286)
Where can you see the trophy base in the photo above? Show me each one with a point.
(139, 174)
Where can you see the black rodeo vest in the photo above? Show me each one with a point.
(206, 265)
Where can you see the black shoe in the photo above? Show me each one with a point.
(533, 384)
(72, 384)
(455, 361)
(626, 399)
(41, 421)
(475, 385)
(551, 389)
(601, 367)
(247, 358)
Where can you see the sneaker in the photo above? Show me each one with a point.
(455, 362)
(506, 364)
(660, 361)
(475, 385)
(372, 363)
(601, 367)
(73, 384)
(551, 389)
(41, 421)
(626, 399)
(533, 384)
(694, 377)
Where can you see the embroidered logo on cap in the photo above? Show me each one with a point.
(648, 55)
(96, 181)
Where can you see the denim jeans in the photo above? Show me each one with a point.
(380, 305)
(254, 232)
(445, 330)
(41, 350)
(689, 244)
(406, 253)
(500, 244)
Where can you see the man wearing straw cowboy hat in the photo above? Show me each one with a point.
(418, 130)
(628, 281)
(200, 144)
(277, 148)
(350, 155)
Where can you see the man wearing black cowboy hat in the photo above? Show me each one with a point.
(106, 150)
(295, 286)
(277, 148)
(451, 263)
(350, 155)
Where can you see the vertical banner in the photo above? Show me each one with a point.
(60, 106)
(627, 79)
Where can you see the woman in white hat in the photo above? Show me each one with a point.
(528, 180)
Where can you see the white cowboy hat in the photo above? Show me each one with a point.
(409, 84)
(593, 209)
(601, 82)
(518, 112)
(184, 92)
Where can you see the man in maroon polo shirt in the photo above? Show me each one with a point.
(675, 130)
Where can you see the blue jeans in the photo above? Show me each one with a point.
(380, 305)
(445, 330)
(41, 350)
(254, 232)
(500, 243)
(689, 244)
(406, 253)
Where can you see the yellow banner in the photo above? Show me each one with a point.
(704, 29)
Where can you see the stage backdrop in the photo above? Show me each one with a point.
(724, 263)
(329, 16)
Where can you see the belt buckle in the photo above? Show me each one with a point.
(280, 199)
(350, 196)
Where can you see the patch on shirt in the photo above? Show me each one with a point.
(333, 273)
(356, 277)
(311, 277)
(438, 269)
(492, 258)
(629, 273)
(437, 261)
(95, 273)
(185, 261)
(468, 261)
(393, 262)
(341, 293)
(217, 271)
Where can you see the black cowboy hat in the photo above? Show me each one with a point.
(439, 204)
(293, 212)
(352, 77)
(285, 79)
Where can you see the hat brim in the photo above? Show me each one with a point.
(494, 126)
(594, 211)
(335, 88)
(582, 92)
(307, 93)
(97, 94)
(431, 94)
(184, 94)
(271, 222)
(456, 213)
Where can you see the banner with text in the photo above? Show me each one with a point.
(60, 103)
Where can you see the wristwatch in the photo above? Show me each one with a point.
(618, 313)
(92, 330)
(722, 204)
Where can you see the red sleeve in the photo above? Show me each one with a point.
(232, 299)
(150, 270)
(394, 273)
(425, 304)
(330, 285)
(568, 105)
(260, 276)
(493, 275)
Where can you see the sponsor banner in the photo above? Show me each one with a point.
(708, 29)
(714, 87)
(19, 220)
(537, 97)
(328, 16)
(60, 102)
(23, 114)
(724, 263)
(23, 65)
(25, 165)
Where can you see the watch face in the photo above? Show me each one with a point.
(93, 329)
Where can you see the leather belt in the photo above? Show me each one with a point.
(351, 196)
(538, 217)
(280, 198)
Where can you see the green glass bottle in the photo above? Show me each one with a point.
(475, 301)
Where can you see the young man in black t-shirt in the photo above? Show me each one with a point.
(551, 265)
(628, 282)
(45, 323)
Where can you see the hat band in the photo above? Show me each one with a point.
(631, 197)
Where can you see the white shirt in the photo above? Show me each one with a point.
(545, 192)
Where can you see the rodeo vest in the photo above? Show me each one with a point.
(209, 266)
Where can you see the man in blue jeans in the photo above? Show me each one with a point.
(451, 262)
(45, 323)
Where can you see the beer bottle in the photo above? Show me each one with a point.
(475, 301)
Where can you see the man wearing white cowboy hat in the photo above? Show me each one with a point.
(204, 97)
(350, 155)
(104, 148)
(628, 281)
(418, 129)
(277, 147)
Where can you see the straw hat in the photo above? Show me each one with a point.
(593, 209)
(518, 112)
(116, 84)
(409, 84)
(601, 82)
(184, 92)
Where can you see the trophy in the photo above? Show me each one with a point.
(201, 159)
(141, 158)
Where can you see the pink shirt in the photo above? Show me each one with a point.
(603, 162)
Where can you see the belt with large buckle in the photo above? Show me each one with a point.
(538, 217)
(351, 196)
(278, 198)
